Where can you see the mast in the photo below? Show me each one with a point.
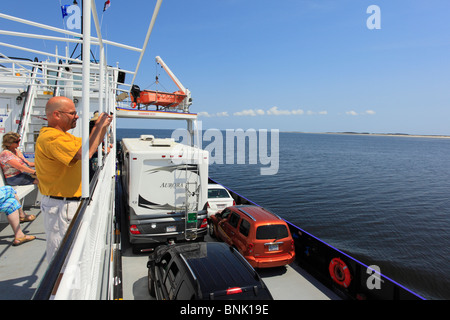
(147, 37)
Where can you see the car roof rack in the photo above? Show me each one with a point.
(240, 208)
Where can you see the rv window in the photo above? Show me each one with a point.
(234, 219)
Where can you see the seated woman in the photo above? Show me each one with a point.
(16, 168)
(10, 205)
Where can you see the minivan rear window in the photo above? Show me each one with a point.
(273, 231)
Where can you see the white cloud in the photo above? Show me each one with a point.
(248, 112)
(204, 114)
(298, 112)
(207, 115)
(274, 111)
(354, 113)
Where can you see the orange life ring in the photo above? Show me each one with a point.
(339, 272)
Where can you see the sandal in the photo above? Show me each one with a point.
(19, 241)
(28, 218)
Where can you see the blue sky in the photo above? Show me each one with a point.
(292, 65)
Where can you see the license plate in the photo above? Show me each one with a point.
(273, 247)
(171, 229)
(220, 206)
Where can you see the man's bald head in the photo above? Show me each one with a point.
(61, 113)
(56, 104)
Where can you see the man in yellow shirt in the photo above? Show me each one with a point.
(58, 167)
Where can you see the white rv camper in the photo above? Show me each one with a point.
(166, 185)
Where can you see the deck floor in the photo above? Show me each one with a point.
(285, 283)
(22, 267)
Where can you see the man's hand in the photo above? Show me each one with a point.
(104, 120)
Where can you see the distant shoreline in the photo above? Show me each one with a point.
(405, 135)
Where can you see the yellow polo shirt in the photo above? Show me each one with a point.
(54, 152)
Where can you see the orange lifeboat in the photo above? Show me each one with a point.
(157, 98)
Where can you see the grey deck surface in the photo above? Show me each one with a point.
(22, 267)
(285, 283)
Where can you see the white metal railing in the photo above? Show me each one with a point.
(26, 113)
(90, 254)
(44, 79)
(95, 41)
(83, 265)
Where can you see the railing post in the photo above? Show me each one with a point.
(85, 97)
(101, 97)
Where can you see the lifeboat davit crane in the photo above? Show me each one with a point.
(180, 99)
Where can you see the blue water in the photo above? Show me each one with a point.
(383, 200)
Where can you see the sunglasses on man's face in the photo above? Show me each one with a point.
(73, 113)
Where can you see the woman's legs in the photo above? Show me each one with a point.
(22, 179)
(19, 236)
(14, 213)
(22, 216)
(14, 222)
(21, 213)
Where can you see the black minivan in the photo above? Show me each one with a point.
(201, 271)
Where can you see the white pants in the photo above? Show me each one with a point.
(57, 217)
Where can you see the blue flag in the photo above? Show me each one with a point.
(64, 10)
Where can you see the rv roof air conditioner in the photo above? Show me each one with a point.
(147, 137)
(158, 142)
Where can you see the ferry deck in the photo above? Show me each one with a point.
(22, 267)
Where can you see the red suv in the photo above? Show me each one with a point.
(261, 236)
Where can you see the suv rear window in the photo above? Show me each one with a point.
(273, 231)
(217, 193)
